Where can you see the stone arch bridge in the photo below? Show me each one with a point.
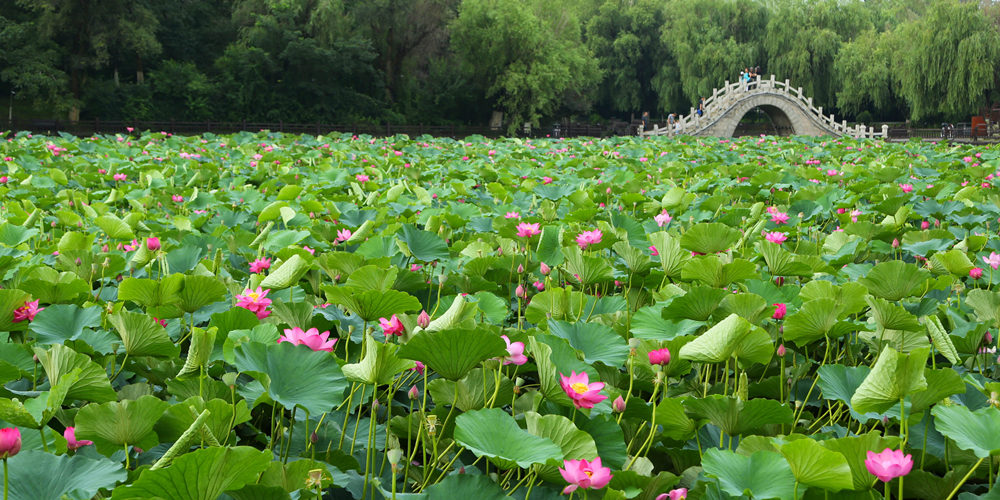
(785, 105)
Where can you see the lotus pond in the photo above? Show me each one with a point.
(265, 316)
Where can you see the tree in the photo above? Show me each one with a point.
(529, 58)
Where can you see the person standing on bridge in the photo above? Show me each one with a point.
(701, 107)
(671, 123)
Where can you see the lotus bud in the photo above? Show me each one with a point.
(520, 293)
(544, 269)
(230, 378)
(618, 405)
(313, 438)
(779, 280)
(375, 405)
(520, 268)
(989, 337)
(781, 350)
(153, 243)
(423, 319)
(895, 243)
(413, 393)
(394, 455)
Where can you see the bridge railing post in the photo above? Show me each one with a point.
(885, 131)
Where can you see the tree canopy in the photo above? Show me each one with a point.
(460, 61)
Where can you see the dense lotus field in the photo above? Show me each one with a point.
(264, 316)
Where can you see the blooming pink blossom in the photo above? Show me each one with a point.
(177, 198)
(976, 273)
(779, 218)
(889, 464)
(71, 441)
(993, 260)
(775, 237)
(653, 251)
(662, 218)
(310, 338)
(255, 301)
(907, 188)
(260, 265)
(583, 393)
(310, 250)
(539, 285)
(119, 177)
(515, 352)
(854, 215)
(418, 367)
(659, 357)
(512, 215)
(361, 178)
(587, 238)
(391, 326)
(27, 311)
(527, 230)
(779, 311)
(584, 474)
(546, 180)
(343, 235)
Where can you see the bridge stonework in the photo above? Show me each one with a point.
(786, 106)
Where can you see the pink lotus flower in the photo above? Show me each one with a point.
(584, 474)
(415, 267)
(889, 464)
(587, 238)
(539, 285)
(976, 273)
(10, 442)
(993, 260)
(119, 177)
(779, 311)
(925, 225)
(27, 311)
(418, 367)
(662, 218)
(260, 265)
(520, 293)
(677, 494)
(310, 250)
(310, 338)
(71, 442)
(512, 215)
(544, 269)
(907, 188)
(423, 319)
(775, 237)
(781, 350)
(526, 230)
(618, 405)
(343, 235)
(583, 393)
(153, 243)
(546, 180)
(653, 251)
(361, 178)
(255, 301)
(161, 322)
(515, 352)
(779, 218)
(659, 357)
(391, 326)
(854, 215)
(177, 198)
(413, 393)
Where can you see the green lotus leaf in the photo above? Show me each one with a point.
(493, 433)
(66, 477)
(816, 319)
(574, 443)
(709, 238)
(222, 418)
(114, 227)
(672, 256)
(382, 363)
(781, 262)
(52, 287)
(597, 342)
(814, 465)
(92, 383)
(116, 424)
(294, 375)
(372, 278)
(733, 336)
(423, 245)
(287, 274)
(371, 305)
(977, 431)
(710, 270)
(894, 376)
(737, 417)
(763, 475)
(199, 291)
(855, 449)
(895, 280)
(141, 336)
(199, 475)
(942, 341)
(61, 322)
(453, 353)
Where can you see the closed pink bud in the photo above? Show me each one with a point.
(520, 268)
(925, 225)
(545, 269)
(781, 350)
(10, 442)
(618, 405)
(895, 243)
(779, 280)
(423, 319)
(153, 243)
(413, 393)
(519, 292)
(659, 356)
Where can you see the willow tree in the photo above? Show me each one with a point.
(947, 60)
(528, 57)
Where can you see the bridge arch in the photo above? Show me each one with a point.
(784, 104)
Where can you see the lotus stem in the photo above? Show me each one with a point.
(964, 479)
